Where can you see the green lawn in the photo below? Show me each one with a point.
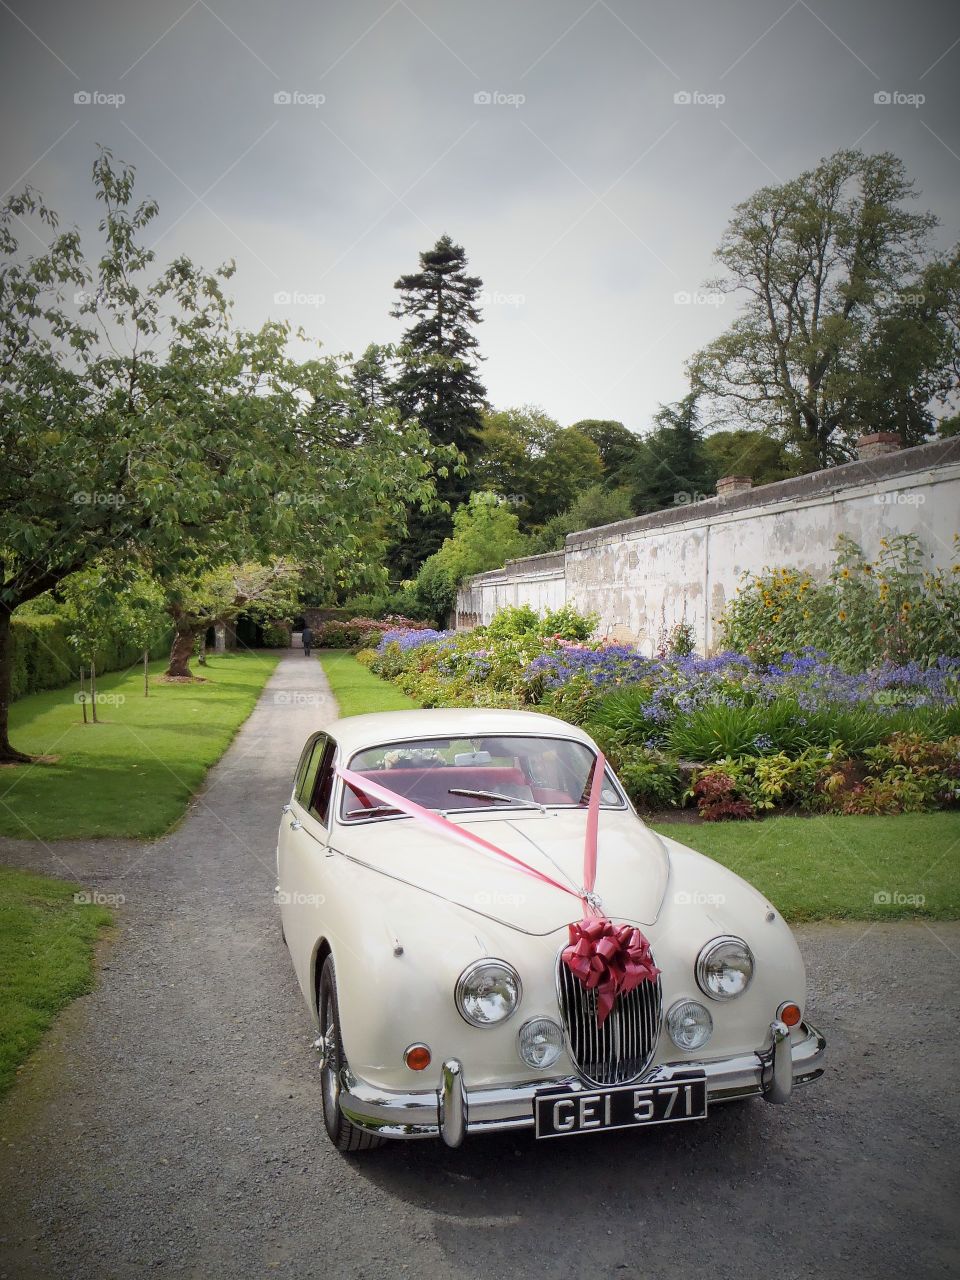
(46, 959)
(358, 690)
(856, 868)
(134, 773)
(816, 868)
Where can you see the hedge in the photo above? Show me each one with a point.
(43, 658)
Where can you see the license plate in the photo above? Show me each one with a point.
(557, 1115)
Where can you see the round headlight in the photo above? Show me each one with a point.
(689, 1024)
(539, 1042)
(724, 968)
(488, 992)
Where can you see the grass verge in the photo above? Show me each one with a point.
(854, 868)
(358, 690)
(46, 959)
(133, 773)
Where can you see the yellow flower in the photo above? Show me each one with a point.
(842, 616)
(845, 573)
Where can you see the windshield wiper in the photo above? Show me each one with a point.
(372, 812)
(495, 795)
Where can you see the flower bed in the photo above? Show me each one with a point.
(733, 734)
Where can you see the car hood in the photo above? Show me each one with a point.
(632, 865)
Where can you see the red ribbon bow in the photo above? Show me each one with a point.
(609, 959)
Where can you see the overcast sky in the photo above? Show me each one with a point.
(546, 136)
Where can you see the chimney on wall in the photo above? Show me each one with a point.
(728, 485)
(877, 445)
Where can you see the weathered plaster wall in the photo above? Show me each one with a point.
(644, 576)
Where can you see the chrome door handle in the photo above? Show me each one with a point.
(295, 824)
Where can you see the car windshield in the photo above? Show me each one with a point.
(456, 774)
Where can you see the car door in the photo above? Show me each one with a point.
(304, 874)
(288, 822)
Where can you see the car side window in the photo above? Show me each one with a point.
(307, 777)
(323, 787)
(305, 755)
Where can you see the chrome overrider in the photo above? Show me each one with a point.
(453, 1110)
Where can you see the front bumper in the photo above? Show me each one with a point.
(453, 1110)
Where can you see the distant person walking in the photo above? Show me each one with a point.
(307, 638)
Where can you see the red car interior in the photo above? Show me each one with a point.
(430, 786)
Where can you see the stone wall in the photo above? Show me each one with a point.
(644, 576)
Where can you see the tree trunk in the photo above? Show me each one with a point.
(93, 690)
(83, 695)
(8, 754)
(220, 637)
(146, 673)
(202, 649)
(184, 639)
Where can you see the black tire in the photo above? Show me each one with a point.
(344, 1135)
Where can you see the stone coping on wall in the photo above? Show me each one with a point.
(849, 475)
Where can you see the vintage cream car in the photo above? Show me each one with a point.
(433, 969)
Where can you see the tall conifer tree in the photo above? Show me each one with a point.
(439, 382)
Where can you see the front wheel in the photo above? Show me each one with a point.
(344, 1135)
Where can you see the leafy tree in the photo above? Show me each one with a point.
(485, 535)
(672, 466)
(617, 444)
(141, 605)
(595, 506)
(438, 382)
(848, 324)
(197, 602)
(143, 423)
(93, 620)
(533, 462)
(762, 457)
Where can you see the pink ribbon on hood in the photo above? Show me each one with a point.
(363, 785)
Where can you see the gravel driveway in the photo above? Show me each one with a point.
(170, 1124)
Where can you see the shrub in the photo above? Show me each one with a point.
(276, 635)
(715, 792)
(359, 633)
(652, 780)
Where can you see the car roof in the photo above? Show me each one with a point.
(353, 733)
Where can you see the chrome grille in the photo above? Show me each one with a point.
(617, 1052)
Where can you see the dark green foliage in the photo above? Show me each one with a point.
(595, 506)
(672, 467)
(756, 454)
(618, 447)
(438, 383)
